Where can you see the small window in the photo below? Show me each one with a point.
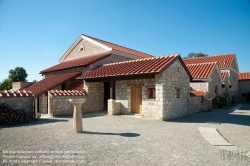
(177, 91)
(178, 69)
(230, 86)
(243, 95)
(150, 92)
(82, 48)
(223, 86)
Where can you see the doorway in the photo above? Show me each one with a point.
(136, 99)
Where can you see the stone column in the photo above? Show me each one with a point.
(77, 116)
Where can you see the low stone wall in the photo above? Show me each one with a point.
(20, 103)
(197, 104)
(113, 107)
(60, 105)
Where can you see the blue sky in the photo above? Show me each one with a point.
(34, 34)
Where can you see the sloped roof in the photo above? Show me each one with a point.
(50, 82)
(134, 67)
(67, 93)
(201, 70)
(244, 76)
(197, 93)
(79, 62)
(224, 74)
(224, 60)
(120, 48)
(17, 93)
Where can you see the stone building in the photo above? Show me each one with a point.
(244, 86)
(59, 82)
(227, 63)
(206, 77)
(155, 87)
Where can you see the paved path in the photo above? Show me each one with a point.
(119, 140)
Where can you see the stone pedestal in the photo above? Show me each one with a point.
(77, 116)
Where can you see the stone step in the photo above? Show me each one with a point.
(133, 115)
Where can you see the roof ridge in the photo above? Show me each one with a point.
(202, 63)
(143, 59)
(115, 44)
(210, 56)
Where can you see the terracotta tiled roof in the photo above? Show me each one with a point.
(223, 74)
(50, 82)
(17, 93)
(224, 60)
(84, 61)
(201, 70)
(197, 93)
(134, 67)
(244, 76)
(67, 93)
(121, 48)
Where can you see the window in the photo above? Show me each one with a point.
(150, 92)
(223, 86)
(178, 69)
(63, 87)
(177, 91)
(230, 86)
(82, 48)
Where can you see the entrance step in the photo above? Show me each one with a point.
(45, 116)
(133, 115)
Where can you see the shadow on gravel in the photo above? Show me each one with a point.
(120, 134)
(36, 122)
(219, 116)
(85, 115)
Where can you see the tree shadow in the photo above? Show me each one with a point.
(39, 121)
(240, 117)
(119, 134)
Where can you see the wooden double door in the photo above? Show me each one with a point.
(136, 99)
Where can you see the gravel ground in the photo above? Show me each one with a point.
(121, 140)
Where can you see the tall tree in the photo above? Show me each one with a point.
(6, 84)
(196, 55)
(18, 74)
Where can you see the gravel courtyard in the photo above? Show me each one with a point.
(122, 140)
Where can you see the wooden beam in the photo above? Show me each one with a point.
(111, 90)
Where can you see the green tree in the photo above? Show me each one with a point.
(18, 74)
(196, 55)
(6, 84)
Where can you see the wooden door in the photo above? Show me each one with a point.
(136, 99)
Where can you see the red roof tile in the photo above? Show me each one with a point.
(201, 70)
(50, 82)
(84, 61)
(223, 74)
(197, 93)
(134, 67)
(67, 93)
(224, 60)
(244, 76)
(121, 48)
(17, 93)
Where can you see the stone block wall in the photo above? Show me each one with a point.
(234, 83)
(215, 80)
(85, 48)
(113, 107)
(95, 97)
(167, 83)
(197, 104)
(20, 103)
(123, 96)
(244, 87)
(199, 86)
(60, 105)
